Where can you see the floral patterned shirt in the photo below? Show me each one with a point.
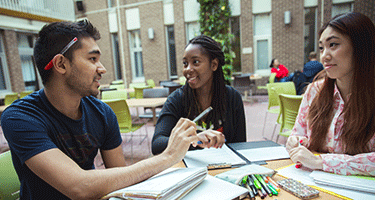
(334, 161)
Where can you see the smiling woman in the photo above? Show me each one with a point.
(202, 66)
(337, 113)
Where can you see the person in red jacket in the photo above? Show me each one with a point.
(280, 70)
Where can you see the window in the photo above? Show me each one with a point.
(4, 79)
(111, 3)
(25, 48)
(341, 8)
(236, 42)
(171, 52)
(310, 32)
(116, 56)
(192, 30)
(136, 56)
(262, 43)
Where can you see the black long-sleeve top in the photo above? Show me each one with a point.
(234, 127)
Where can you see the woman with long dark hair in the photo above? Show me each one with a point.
(203, 60)
(337, 113)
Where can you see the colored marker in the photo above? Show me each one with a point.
(262, 193)
(250, 182)
(272, 182)
(273, 190)
(263, 184)
(244, 183)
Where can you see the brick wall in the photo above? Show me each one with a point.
(246, 26)
(13, 61)
(179, 33)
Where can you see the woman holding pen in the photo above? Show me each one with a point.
(337, 113)
(202, 66)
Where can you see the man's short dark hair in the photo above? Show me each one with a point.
(312, 55)
(54, 37)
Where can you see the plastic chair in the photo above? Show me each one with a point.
(289, 107)
(9, 98)
(153, 93)
(9, 184)
(117, 82)
(118, 87)
(121, 109)
(270, 80)
(274, 89)
(132, 85)
(114, 94)
(182, 80)
(138, 91)
(151, 82)
(25, 93)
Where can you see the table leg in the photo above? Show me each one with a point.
(154, 115)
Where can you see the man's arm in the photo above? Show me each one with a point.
(62, 173)
(113, 157)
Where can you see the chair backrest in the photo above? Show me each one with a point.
(9, 184)
(182, 80)
(272, 78)
(155, 93)
(121, 109)
(119, 86)
(9, 98)
(25, 93)
(150, 82)
(114, 94)
(138, 91)
(279, 88)
(117, 82)
(132, 85)
(289, 106)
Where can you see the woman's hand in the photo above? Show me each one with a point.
(211, 138)
(305, 157)
(295, 141)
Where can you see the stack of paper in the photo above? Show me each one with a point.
(212, 156)
(173, 183)
(359, 183)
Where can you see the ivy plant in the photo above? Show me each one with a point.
(214, 16)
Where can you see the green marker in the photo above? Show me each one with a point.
(263, 184)
(273, 190)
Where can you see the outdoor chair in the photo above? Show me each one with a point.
(25, 93)
(132, 85)
(270, 80)
(9, 98)
(114, 94)
(118, 86)
(138, 91)
(289, 107)
(121, 109)
(151, 82)
(274, 89)
(9, 184)
(153, 93)
(117, 82)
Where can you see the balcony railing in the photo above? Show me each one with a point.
(52, 10)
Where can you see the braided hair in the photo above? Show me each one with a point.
(212, 49)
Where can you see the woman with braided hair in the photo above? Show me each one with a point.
(202, 66)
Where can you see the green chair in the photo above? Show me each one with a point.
(114, 94)
(138, 91)
(25, 93)
(9, 98)
(151, 82)
(289, 107)
(121, 109)
(182, 80)
(9, 182)
(117, 82)
(274, 89)
(118, 87)
(132, 85)
(270, 80)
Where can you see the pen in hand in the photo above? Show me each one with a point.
(299, 165)
(205, 112)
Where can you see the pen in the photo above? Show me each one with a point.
(205, 112)
(273, 182)
(273, 190)
(262, 193)
(263, 184)
(244, 183)
(202, 114)
(299, 165)
(250, 182)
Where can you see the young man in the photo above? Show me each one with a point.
(312, 68)
(55, 133)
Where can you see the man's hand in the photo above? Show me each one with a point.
(183, 134)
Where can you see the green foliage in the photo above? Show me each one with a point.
(214, 18)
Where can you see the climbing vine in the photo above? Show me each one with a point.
(214, 16)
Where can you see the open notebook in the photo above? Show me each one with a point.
(173, 183)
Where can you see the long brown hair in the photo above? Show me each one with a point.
(359, 110)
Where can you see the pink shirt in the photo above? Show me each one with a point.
(335, 161)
